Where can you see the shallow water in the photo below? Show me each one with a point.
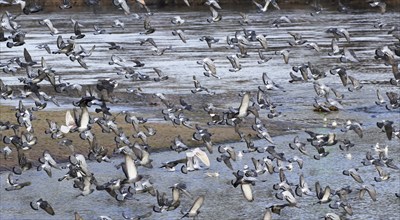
(222, 201)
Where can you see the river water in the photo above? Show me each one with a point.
(222, 201)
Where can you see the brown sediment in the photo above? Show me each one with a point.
(162, 140)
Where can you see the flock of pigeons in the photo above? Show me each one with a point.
(136, 151)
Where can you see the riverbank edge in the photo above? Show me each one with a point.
(77, 3)
(166, 132)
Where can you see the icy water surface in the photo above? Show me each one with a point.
(222, 200)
